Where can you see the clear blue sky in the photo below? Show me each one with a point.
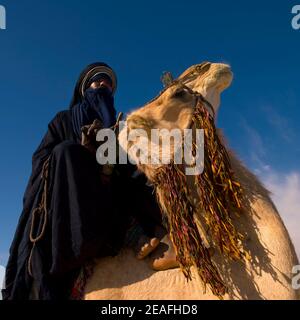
(47, 43)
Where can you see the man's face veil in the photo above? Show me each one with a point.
(89, 103)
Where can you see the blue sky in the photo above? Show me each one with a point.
(47, 43)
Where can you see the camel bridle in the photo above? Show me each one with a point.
(183, 81)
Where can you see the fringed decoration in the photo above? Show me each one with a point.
(171, 188)
(220, 195)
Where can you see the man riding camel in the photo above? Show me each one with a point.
(73, 211)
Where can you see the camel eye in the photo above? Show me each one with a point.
(178, 94)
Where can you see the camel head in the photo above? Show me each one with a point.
(210, 79)
(174, 107)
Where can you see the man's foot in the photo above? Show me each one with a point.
(164, 257)
(145, 246)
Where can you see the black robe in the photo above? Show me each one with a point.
(87, 216)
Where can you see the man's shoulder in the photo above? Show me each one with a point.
(62, 115)
(61, 118)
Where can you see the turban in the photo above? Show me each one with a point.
(88, 75)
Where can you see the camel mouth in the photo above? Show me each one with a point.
(225, 72)
(226, 76)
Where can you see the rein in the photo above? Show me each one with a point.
(39, 215)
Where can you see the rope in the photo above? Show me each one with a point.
(41, 213)
(119, 118)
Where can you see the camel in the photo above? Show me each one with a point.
(268, 272)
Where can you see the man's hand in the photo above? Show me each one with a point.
(89, 133)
